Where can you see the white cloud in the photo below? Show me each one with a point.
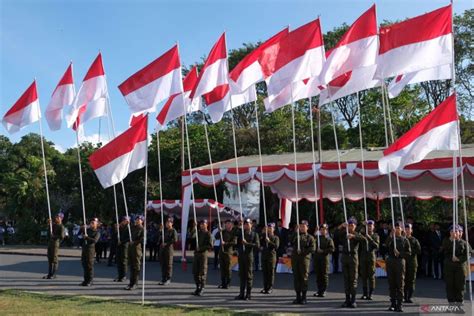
(59, 148)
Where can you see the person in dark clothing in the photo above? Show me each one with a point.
(435, 240)
(384, 233)
(135, 252)
(91, 236)
(113, 242)
(55, 238)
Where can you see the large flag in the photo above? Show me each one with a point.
(24, 112)
(154, 83)
(62, 96)
(124, 154)
(357, 48)
(436, 131)
(397, 84)
(91, 100)
(249, 70)
(419, 43)
(300, 56)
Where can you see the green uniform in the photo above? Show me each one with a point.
(167, 253)
(122, 252)
(367, 259)
(324, 247)
(53, 249)
(411, 268)
(246, 258)
(88, 254)
(350, 263)
(269, 258)
(301, 261)
(200, 259)
(225, 256)
(396, 268)
(455, 272)
(135, 253)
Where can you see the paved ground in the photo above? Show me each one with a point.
(21, 271)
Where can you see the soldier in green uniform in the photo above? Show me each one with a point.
(324, 247)
(367, 259)
(245, 247)
(411, 263)
(228, 241)
(467, 264)
(122, 249)
(454, 265)
(135, 252)
(200, 257)
(91, 237)
(395, 264)
(269, 243)
(55, 239)
(350, 241)
(167, 252)
(301, 260)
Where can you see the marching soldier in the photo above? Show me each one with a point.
(55, 239)
(301, 261)
(367, 259)
(269, 244)
(324, 247)
(88, 250)
(411, 262)
(350, 242)
(245, 247)
(229, 240)
(167, 252)
(396, 267)
(454, 265)
(122, 249)
(135, 252)
(200, 257)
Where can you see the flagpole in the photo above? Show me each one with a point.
(145, 215)
(46, 178)
(454, 200)
(316, 208)
(80, 178)
(159, 180)
(363, 167)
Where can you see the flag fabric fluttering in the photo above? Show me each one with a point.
(91, 99)
(154, 83)
(418, 43)
(25, 111)
(122, 155)
(62, 97)
(436, 131)
(397, 84)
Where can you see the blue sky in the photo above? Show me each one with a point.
(40, 38)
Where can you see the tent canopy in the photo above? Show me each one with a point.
(205, 209)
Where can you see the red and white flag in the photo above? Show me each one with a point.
(397, 84)
(249, 70)
(91, 99)
(122, 155)
(300, 56)
(24, 112)
(62, 96)
(419, 43)
(175, 106)
(436, 131)
(154, 83)
(357, 48)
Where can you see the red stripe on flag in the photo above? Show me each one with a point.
(191, 79)
(217, 94)
(66, 78)
(418, 29)
(364, 26)
(341, 80)
(96, 69)
(28, 97)
(166, 108)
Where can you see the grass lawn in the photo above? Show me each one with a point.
(14, 302)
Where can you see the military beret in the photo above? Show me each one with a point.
(408, 225)
(140, 217)
(124, 218)
(272, 225)
(94, 219)
(460, 228)
(304, 222)
(248, 221)
(370, 222)
(60, 215)
(398, 224)
(352, 221)
(170, 219)
(202, 221)
(324, 226)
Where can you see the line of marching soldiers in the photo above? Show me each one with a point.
(358, 258)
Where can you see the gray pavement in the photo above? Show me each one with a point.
(22, 271)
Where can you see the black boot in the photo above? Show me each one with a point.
(392, 305)
(298, 298)
(347, 302)
(409, 296)
(353, 301)
(364, 296)
(54, 269)
(369, 297)
(398, 306)
(223, 283)
(200, 291)
(269, 290)
(195, 293)
(227, 283)
(303, 298)
(248, 295)
(241, 295)
(50, 268)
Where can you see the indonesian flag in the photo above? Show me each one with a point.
(154, 83)
(437, 131)
(249, 70)
(62, 96)
(357, 48)
(300, 56)
(24, 112)
(303, 89)
(175, 106)
(124, 154)
(396, 86)
(415, 44)
(349, 83)
(91, 100)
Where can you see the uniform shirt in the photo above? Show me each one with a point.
(92, 237)
(137, 234)
(460, 251)
(307, 244)
(326, 244)
(269, 247)
(252, 240)
(124, 234)
(354, 243)
(230, 240)
(58, 232)
(171, 236)
(369, 246)
(415, 247)
(402, 245)
(204, 242)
